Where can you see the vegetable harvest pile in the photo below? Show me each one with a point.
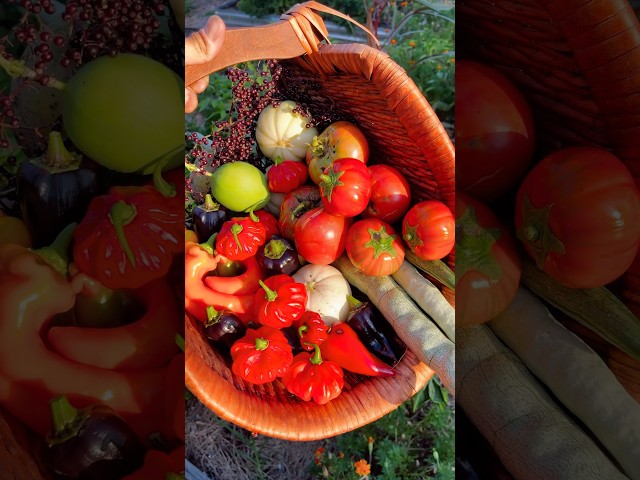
(285, 240)
(540, 240)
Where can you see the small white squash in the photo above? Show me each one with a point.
(327, 291)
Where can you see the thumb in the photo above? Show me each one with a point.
(204, 45)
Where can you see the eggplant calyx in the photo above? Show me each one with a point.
(123, 214)
(56, 255)
(57, 155)
(354, 303)
(213, 315)
(67, 420)
(275, 249)
(209, 204)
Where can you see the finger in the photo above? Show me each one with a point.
(190, 100)
(200, 85)
(204, 44)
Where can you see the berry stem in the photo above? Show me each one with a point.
(18, 68)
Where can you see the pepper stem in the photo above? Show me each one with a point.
(353, 302)
(122, 214)
(271, 294)
(253, 216)
(261, 344)
(164, 187)
(302, 329)
(236, 228)
(208, 245)
(57, 155)
(56, 255)
(316, 358)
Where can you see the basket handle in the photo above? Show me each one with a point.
(300, 31)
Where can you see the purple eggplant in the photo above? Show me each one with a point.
(223, 328)
(374, 331)
(278, 256)
(208, 218)
(54, 190)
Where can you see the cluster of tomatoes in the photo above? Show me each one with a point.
(576, 212)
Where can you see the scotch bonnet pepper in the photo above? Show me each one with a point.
(312, 330)
(240, 237)
(261, 356)
(280, 302)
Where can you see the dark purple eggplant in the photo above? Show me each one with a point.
(208, 218)
(90, 443)
(55, 190)
(293, 339)
(223, 328)
(374, 331)
(278, 256)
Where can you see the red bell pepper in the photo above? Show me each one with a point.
(148, 342)
(242, 284)
(312, 330)
(128, 237)
(31, 373)
(261, 355)
(280, 302)
(240, 237)
(309, 377)
(199, 261)
(345, 348)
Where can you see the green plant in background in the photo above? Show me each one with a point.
(416, 441)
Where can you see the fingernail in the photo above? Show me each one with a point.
(214, 27)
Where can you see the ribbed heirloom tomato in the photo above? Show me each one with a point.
(429, 229)
(374, 248)
(390, 194)
(320, 237)
(487, 264)
(345, 187)
(578, 215)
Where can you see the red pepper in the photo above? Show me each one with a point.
(312, 330)
(243, 284)
(261, 355)
(159, 465)
(281, 301)
(148, 342)
(345, 348)
(269, 222)
(312, 378)
(240, 237)
(31, 373)
(199, 261)
(128, 237)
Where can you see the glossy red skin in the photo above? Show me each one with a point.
(342, 140)
(320, 237)
(435, 227)
(318, 382)
(351, 196)
(479, 297)
(390, 194)
(261, 366)
(363, 257)
(269, 223)
(290, 211)
(494, 132)
(252, 236)
(595, 213)
(286, 176)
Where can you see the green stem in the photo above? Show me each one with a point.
(316, 358)
(57, 155)
(271, 294)
(63, 414)
(179, 341)
(302, 329)
(122, 214)
(18, 68)
(208, 246)
(354, 303)
(209, 204)
(261, 344)
(164, 187)
(275, 249)
(236, 228)
(56, 255)
(212, 315)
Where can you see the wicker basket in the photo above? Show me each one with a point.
(403, 131)
(578, 64)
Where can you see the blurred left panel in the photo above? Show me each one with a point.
(91, 239)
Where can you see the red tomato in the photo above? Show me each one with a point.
(390, 194)
(429, 229)
(578, 215)
(295, 204)
(487, 263)
(345, 187)
(320, 237)
(494, 132)
(374, 248)
(269, 222)
(286, 175)
(339, 140)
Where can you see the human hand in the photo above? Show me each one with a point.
(200, 47)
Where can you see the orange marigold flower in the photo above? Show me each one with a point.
(453, 60)
(404, 4)
(340, 454)
(362, 467)
(439, 67)
(412, 43)
(319, 452)
(393, 41)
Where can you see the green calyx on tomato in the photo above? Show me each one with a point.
(536, 233)
(381, 242)
(329, 181)
(122, 214)
(473, 247)
(411, 236)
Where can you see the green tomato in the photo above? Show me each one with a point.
(126, 113)
(240, 186)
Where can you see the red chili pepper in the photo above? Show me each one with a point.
(281, 301)
(261, 355)
(240, 237)
(199, 261)
(309, 377)
(312, 330)
(128, 237)
(345, 348)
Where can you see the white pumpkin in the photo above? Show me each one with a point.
(281, 132)
(327, 291)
